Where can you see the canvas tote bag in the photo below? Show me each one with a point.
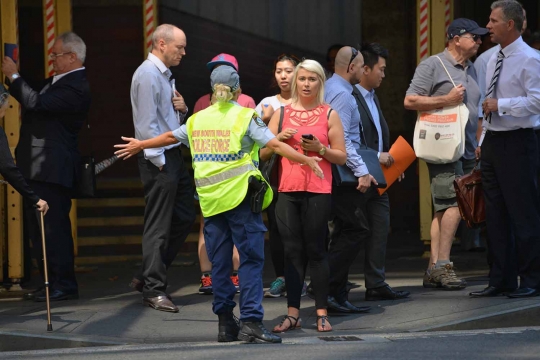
(439, 135)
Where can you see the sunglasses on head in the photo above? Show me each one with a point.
(353, 56)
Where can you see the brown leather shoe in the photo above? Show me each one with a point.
(161, 303)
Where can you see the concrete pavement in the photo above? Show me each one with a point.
(110, 313)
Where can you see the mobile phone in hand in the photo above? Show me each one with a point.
(307, 136)
(12, 51)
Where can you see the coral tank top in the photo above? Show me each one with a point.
(292, 175)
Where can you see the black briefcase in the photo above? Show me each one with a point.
(85, 184)
(343, 176)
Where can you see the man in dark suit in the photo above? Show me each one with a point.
(47, 154)
(375, 214)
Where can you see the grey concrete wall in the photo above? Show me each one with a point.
(312, 25)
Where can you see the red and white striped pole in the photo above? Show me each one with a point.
(423, 29)
(447, 12)
(150, 22)
(49, 25)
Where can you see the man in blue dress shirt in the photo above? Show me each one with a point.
(347, 201)
(168, 192)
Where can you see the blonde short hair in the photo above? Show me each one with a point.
(223, 93)
(314, 67)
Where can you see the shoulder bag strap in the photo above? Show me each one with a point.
(447, 73)
(270, 164)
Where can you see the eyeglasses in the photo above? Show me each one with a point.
(474, 38)
(353, 56)
(53, 56)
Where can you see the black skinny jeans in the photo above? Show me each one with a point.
(302, 222)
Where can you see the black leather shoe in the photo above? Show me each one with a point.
(334, 305)
(161, 303)
(490, 291)
(33, 294)
(385, 293)
(354, 308)
(255, 332)
(523, 293)
(57, 295)
(228, 327)
(350, 285)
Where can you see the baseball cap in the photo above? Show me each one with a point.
(462, 26)
(223, 59)
(225, 75)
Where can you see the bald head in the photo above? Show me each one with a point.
(348, 67)
(343, 58)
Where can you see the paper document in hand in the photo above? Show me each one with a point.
(404, 156)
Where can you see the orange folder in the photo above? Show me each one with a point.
(404, 156)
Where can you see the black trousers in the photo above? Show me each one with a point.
(509, 170)
(302, 221)
(349, 230)
(168, 217)
(277, 253)
(58, 238)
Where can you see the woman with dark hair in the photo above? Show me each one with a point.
(304, 201)
(8, 169)
(283, 73)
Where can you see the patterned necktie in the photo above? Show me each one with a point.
(491, 89)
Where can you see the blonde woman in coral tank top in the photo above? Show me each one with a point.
(303, 206)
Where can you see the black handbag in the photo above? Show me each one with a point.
(85, 176)
(268, 170)
(343, 176)
(85, 185)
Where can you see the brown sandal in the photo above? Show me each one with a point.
(297, 324)
(324, 319)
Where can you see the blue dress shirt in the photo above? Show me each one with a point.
(338, 94)
(151, 102)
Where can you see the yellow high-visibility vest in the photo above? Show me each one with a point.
(221, 168)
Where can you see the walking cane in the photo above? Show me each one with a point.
(49, 325)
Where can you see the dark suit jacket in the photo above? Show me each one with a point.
(370, 130)
(11, 173)
(48, 145)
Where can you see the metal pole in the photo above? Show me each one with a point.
(46, 272)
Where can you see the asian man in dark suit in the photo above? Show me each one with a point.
(376, 212)
(47, 155)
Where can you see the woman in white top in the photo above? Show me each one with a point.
(284, 67)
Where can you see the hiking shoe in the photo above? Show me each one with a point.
(206, 284)
(429, 281)
(304, 289)
(236, 282)
(277, 288)
(447, 277)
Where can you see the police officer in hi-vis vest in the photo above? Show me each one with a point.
(224, 141)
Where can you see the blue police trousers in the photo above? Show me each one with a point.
(245, 230)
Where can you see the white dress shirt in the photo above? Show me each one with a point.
(518, 88)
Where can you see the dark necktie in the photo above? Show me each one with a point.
(494, 78)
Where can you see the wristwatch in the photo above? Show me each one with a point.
(15, 77)
(322, 151)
